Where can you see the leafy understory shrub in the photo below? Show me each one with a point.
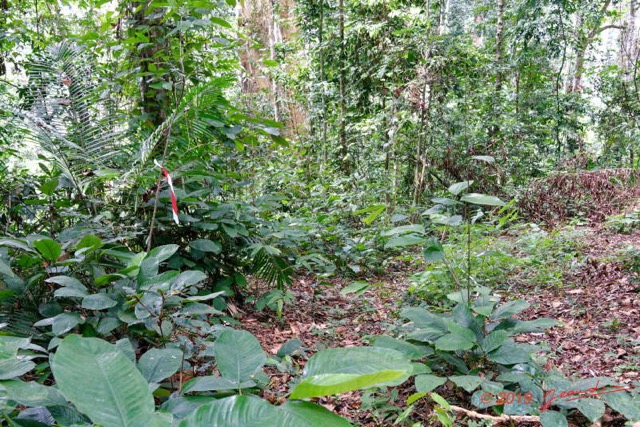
(474, 348)
(107, 386)
(624, 223)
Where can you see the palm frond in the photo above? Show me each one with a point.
(269, 264)
(63, 112)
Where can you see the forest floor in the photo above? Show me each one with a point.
(598, 333)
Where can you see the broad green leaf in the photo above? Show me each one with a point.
(234, 411)
(239, 355)
(102, 382)
(306, 414)
(510, 309)
(426, 383)
(510, 353)
(180, 407)
(459, 187)
(98, 302)
(149, 266)
(494, 340)
(445, 201)
(625, 403)
(220, 21)
(340, 370)
(357, 287)
(48, 187)
(14, 367)
(593, 409)
(158, 364)
(69, 293)
(482, 199)
(467, 382)
(451, 221)
(49, 249)
(16, 244)
(537, 325)
(404, 229)
(206, 245)
(459, 338)
(64, 322)
(188, 278)
(33, 394)
(90, 242)
(433, 250)
(214, 383)
(553, 419)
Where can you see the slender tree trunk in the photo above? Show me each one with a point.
(323, 100)
(344, 150)
(499, 43)
(4, 9)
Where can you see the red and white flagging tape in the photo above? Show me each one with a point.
(174, 200)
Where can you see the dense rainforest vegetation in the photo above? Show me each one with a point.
(319, 213)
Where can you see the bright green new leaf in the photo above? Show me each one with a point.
(49, 249)
(340, 370)
(357, 287)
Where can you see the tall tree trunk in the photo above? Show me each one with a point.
(344, 150)
(4, 9)
(323, 100)
(499, 43)
(154, 99)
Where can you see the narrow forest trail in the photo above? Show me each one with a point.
(599, 334)
(598, 310)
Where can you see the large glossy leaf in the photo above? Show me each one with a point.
(160, 363)
(239, 355)
(482, 199)
(553, 419)
(458, 338)
(12, 368)
(49, 249)
(214, 383)
(307, 414)
(510, 309)
(102, 382)
(235, 411)
(459, 187)
(150, 265)
(340, 370)
(206, 245)
(31, 393)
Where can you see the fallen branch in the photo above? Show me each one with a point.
(497, 418)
